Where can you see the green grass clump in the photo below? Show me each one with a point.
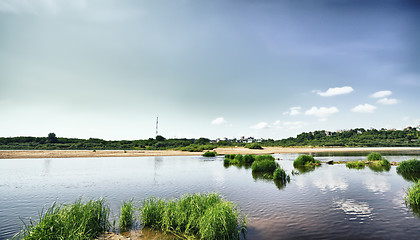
(204, 215)
(305, 160)
(254, 146)
(127, 215)
(409, 166)
(356, 164)
(413, 196)
(210, 154)
(264, 157)
(264, 166)
(70, 221)
(152, 211)
(249, 158)
(374, 156)
(280, 175)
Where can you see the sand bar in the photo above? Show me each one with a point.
(9, 154)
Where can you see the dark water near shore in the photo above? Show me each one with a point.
(331, 202)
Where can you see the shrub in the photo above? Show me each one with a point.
(210, 154)
(305, 160)
(264, 166)
(280, 175)
(254, 146)
(70, 221)
(127, 215)
(374, 156)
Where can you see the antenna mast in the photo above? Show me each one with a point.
(157, 125)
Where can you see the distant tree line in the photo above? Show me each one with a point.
(358, 137)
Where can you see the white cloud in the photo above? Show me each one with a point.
(293, 111)
(387, 101)
(261, 125)
(322, 112)
(381, 94)
(219, 121)
(364, 108)
(335, 91)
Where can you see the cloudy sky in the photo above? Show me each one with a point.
(220, 68)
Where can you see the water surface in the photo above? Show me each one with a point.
(331, 202)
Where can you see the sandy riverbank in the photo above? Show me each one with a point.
(8, 154)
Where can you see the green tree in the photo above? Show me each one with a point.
(52, 138)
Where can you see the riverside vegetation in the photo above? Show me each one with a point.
(263, 166)
(358, 137)
(203, 216)
(375, 162)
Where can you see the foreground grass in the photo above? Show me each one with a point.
(206, 216)
(127, 215)
(69, 221)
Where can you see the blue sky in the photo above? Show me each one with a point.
(271, 69)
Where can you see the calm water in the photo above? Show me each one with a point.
(331, 202)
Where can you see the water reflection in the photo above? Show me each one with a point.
(354, 208)
(377, 168)
(306, 169)
(377, 184)
(413, 177)
(330, 182)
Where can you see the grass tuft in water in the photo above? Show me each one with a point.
(69, 221)
(127, 215)
(356, 164)
(409, 166)
(413, 197)
(305, 160)
(280, 175)
(374, 156)
(267, 166)
(202, 215)
(210, 154)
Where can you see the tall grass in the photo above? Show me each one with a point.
(204, 215)
(264, 166)
(305, 160)
(413, 197)
(409, 166)
(127, 218)
(410, 170)
(69, 221)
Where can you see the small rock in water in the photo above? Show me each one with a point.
(330, 162)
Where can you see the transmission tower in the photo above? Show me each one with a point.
(157, 126)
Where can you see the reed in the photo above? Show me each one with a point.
(206, 216)
(69, 221)
(127, 218)
(413, 195)
(409, 166)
